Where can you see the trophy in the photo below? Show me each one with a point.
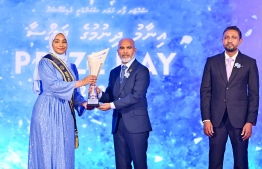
(95, 62)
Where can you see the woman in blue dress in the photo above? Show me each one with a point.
(52, 129)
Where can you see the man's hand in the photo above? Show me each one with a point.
(208, 128)
(104, 107)
(247, 131)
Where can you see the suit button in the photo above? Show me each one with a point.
(227, 88)
(224, 100)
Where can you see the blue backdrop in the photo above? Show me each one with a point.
(173, 39)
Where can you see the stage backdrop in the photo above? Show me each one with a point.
(173, 39)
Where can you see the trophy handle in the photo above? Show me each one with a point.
(93, 96)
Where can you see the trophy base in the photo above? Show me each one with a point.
(93, 102)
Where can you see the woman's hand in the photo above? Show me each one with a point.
(91, 79)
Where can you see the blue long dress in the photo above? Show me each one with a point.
(52, 137)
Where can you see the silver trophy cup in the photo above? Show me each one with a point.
(95, 63)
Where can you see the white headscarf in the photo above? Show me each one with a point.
(63, 57)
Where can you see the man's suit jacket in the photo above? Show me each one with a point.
(239, 95)
(129, 97)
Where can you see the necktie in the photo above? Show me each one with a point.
(229, 67)
(123, 69)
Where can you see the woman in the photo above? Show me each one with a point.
(53, 125)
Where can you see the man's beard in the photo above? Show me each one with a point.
(126, 60)
(233, 49)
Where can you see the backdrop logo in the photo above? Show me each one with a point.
(22, 59)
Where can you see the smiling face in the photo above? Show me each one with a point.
(231, 41)
(59, 44)
(126, 50)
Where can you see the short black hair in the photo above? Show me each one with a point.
(233, 28)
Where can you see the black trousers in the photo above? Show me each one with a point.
(217, 145)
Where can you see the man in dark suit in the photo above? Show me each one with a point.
(126, 95)
(229, 101)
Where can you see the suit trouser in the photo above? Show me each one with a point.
(217, 145)
(130, 147)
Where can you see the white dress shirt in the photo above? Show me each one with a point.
(232, 65)
(128, 64)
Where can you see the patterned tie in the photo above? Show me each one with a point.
(229, 67)
(123, 69)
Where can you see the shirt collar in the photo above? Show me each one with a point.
(233, 57)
